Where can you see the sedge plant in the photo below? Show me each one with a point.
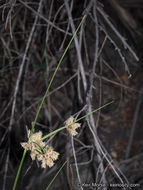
(42, 102)
(41, 151)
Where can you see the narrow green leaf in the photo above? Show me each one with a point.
(19, 169)
(61, 128)
(56, 175)
(51, 81)
(42, 102)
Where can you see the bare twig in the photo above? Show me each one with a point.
(22, 67)
(126, 46)
(77, 46)
(75, 159)
(18, 82)
(42, 17)
(118, 50)
(131, 136)
(6, 168)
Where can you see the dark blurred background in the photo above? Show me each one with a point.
(104, 63)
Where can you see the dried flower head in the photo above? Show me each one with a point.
(34, 144)
(39, 150)
(48, 157)
(72, 128)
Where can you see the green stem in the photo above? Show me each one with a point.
(42, 102)
(40, 147)
(51, 81)
(19, 169)
(56, 175)
(61, 128)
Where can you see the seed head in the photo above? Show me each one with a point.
(48, 158)
(39, 150)
(72, 128)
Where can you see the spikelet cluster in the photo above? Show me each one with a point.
(48, 157)
(39, 150)
(42, 152)
(72, 128)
